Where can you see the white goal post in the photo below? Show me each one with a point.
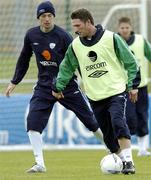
(143, 14)
(142, 7)
(143, 24)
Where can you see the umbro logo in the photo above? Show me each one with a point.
(97, 74)
(121, 96)
(76, 92)
(35, 43)
(41, 11)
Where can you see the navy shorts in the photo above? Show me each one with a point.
(41, 105)
(137, 113)
(110, 114)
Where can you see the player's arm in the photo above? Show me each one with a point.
(66, 71)
(147, 49)
(130, 64)
(21, 66)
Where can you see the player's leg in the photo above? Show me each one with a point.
(103, 119)
(37, 120)
(142, 118)
(78, 103)
(121, 130)
(131, 116)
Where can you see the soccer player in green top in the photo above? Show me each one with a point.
(108, 69)
(137, 113)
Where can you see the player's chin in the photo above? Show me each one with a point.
(47, 26)
(82, 35)
(60, 97)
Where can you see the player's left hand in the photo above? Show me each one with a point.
(9, 89)
(133, 95)
(58, 95)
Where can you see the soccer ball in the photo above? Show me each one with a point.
(111, 164)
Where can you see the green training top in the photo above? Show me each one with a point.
(142, 50)
(106, 67)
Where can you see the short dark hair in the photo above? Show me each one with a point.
(82, 14)
(124, 20)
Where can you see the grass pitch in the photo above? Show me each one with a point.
(67, 165)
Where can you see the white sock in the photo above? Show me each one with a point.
(36, 142)
(127, 153)
(121, 156)
(143, 143)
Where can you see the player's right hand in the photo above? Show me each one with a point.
(9, 89)
(58, 95)
(133, 95)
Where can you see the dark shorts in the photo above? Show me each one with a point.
(41, 105)
(110, 114)
(137, 113)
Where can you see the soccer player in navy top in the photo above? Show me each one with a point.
(49, 43)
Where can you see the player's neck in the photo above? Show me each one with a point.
(92, 33)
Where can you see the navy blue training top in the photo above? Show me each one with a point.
(49, 49)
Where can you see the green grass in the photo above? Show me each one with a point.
(67, 165)
(7, 68)
(7, 72)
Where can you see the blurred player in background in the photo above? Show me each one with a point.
(49, 43)
(137, 113)
(103, 57)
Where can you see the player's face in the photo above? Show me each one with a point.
(81, 28)
(46, 21)
(125, 30)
